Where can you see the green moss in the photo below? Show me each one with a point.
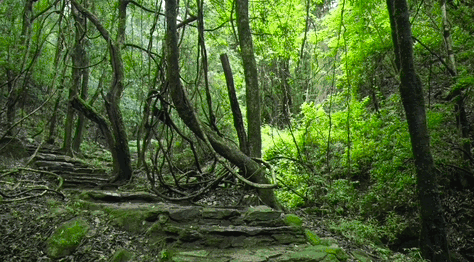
(312, 238)
(67, 238)
(293, 220)
(122, 255)
(337, 252)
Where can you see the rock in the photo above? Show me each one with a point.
(66, 238)
(286, 239)
(219, 213)
(261, 213)
(312, 238)
(315, 254)
(184, 213)
(292, 220)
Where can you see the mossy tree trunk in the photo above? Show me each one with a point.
(251, 78)
(82, 75)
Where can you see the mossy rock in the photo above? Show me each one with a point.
(122, 255)
(261, 213)
(338, 252)
(308, 254)
(312, 238)
(66, 238)
(293, 220)
(317, 253)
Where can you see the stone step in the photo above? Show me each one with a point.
(80, 184)
(204, 236)
(54, 166)
(279, 253)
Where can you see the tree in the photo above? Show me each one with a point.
(433, 241)
(457, 94)
(79, 85)
(188, 115)
(251, 79)
(119, 146)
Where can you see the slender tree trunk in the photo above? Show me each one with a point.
(286, 91)
(447, 37)
(51, 134)
(11, 102)
(234, 105)
(251, 78)
(202, 44)
(14, 92)
(460, 110)
(83, 68)
(78, 61)
(433, 241)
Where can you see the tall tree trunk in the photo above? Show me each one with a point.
(234, 105)
(251, 78)
(188, 115)
(78, 55)
(14, 92)
(83, 67)
(284, 72)
(460, 110)
(205, 67)
(120, 151)
(51, 134)
(433, 241)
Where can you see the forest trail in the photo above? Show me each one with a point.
(181, 232)
(196, 233)
(75, 172)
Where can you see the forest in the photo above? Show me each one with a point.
(236, 130)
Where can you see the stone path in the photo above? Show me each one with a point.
(76, 172)
(208, 234)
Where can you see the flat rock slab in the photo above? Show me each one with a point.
(290, 253)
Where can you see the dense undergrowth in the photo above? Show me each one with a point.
(353, 166)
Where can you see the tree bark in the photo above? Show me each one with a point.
(188, 115)
(202, 44)
(14, 91)
(88, 111)
(433, 241)
(83, 67)
(80, 75)
(286, 102)
(251, 79)
(120, 150)
(234, 105)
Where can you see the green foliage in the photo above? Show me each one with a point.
(366, 177)
(361, 232)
